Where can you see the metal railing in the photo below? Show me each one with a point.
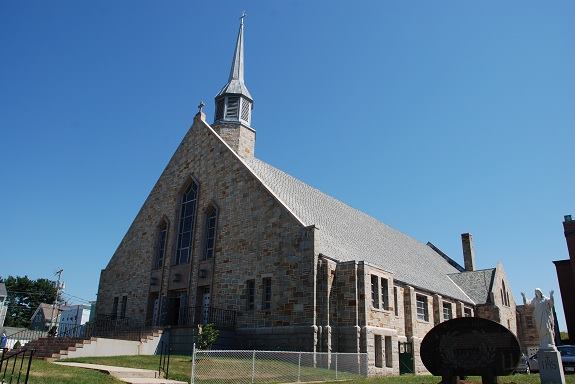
(164, 352)
(104, 326)
(221, 318)
(15, 366)
(223, 367)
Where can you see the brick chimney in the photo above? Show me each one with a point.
(569, 229)
(468, 252)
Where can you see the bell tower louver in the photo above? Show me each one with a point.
(234, 104)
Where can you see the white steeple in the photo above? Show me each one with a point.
(234, 102)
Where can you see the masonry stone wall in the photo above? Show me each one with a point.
(526, 329)
(256, 238)
(241, 139)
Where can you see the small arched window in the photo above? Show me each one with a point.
(187, 218)
(210, 233)
(161, 244)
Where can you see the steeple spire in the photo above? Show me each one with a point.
(234, 104)
(237, 71)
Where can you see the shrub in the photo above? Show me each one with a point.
(206, 336)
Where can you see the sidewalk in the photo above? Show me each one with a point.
(127, 375)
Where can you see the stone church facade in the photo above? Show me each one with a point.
(225, 237)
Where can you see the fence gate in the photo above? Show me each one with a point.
(406, 358)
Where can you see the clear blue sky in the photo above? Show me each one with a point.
(436, 117)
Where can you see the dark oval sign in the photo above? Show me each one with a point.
(470, 346)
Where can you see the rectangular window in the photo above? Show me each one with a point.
(466, 312)
(384, 294)
(395, 303)
(422, 310)
(123, 308)
(529, 321)
(115, 308)
(251, 294)
(388, 352)
(267, 293)
(447, 311)
(374, 291)
(378, 354)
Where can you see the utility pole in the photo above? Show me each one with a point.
(59, 273)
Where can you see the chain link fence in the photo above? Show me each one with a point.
(222, 367)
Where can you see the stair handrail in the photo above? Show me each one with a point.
(5, 365)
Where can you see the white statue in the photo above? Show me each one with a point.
(544, 320)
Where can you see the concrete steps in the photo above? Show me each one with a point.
(54, 348)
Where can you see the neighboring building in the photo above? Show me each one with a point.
(44, 316)
(72, 316)
(566, 277)
(224, 237)
(3, 303)
(92, 310)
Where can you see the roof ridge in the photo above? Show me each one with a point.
(474, 271)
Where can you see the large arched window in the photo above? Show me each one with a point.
(210, 233)
(187, 218)
(161, 244)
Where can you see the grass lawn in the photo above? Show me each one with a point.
(43, 372)
(231, 371)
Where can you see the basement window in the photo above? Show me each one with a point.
(378, 350)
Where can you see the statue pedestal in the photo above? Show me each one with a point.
(550, 366)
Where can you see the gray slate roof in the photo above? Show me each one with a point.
(476, 284)
(346, 233)
(3, 292)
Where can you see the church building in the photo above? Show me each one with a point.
(226, 238)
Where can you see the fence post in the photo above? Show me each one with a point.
(193, 362)
(298, 367)
(336, 365)
(253, 366)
